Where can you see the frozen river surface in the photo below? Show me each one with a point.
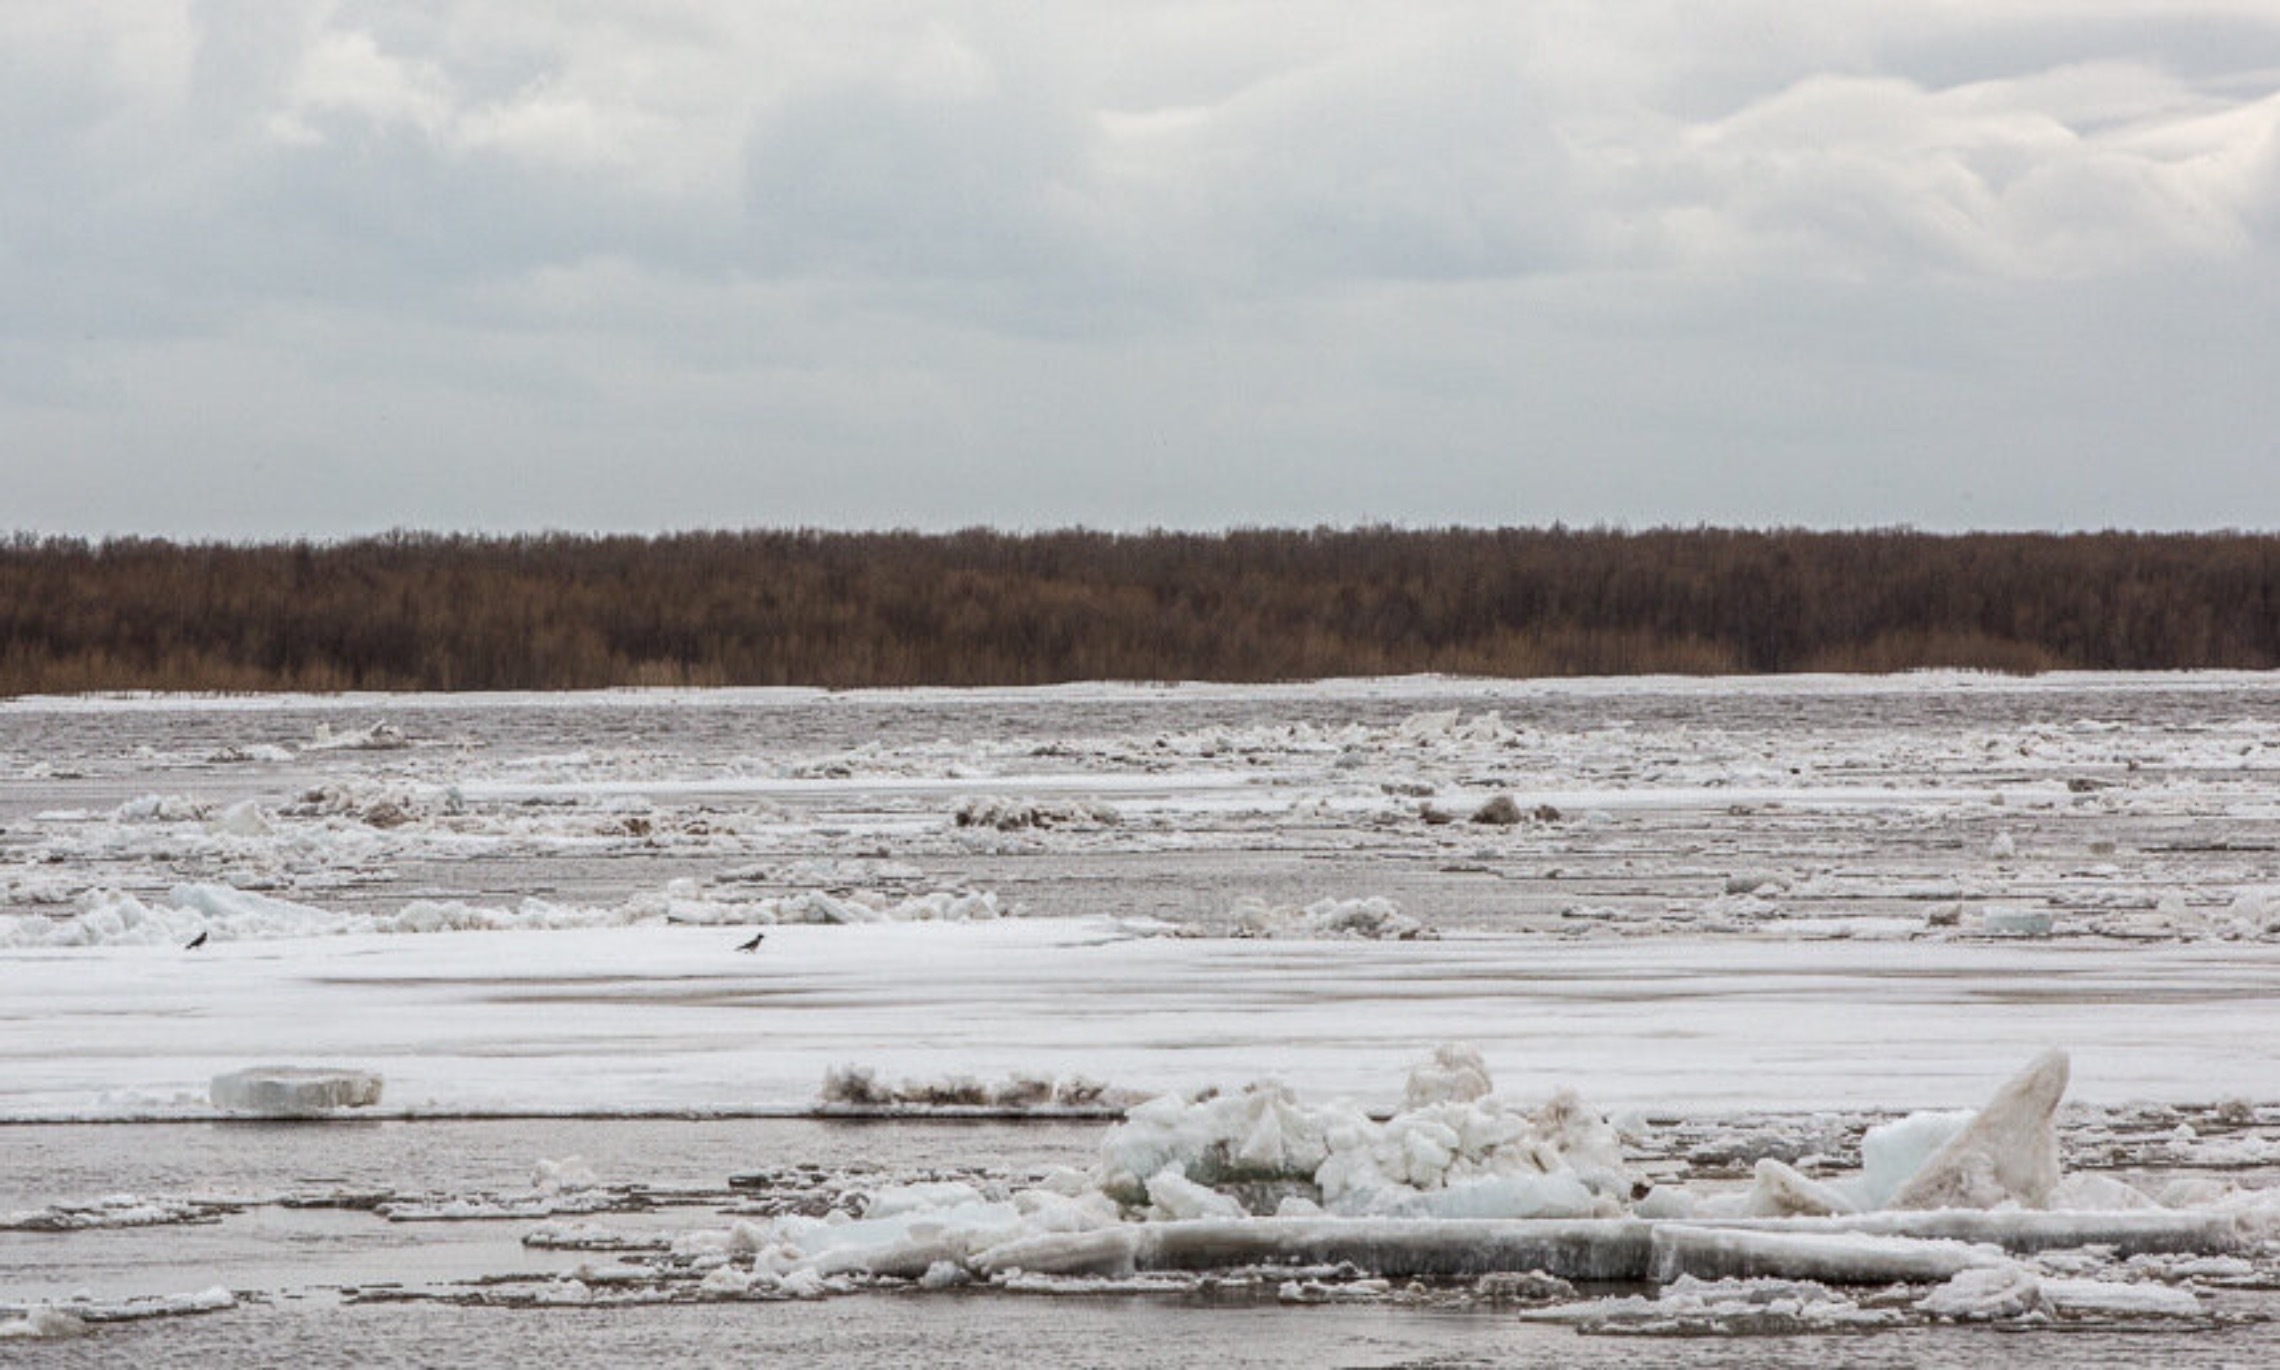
(1747, 918)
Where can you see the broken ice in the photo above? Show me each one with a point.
(294, 1091)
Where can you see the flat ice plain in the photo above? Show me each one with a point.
(1744, 920)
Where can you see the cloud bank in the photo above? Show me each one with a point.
(281, 267)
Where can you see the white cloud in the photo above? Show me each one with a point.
(2062, 175)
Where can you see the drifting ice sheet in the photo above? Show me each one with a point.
(1585, 1249)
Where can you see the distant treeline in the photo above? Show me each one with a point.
(421, 612)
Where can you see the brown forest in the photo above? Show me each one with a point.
(422, 612)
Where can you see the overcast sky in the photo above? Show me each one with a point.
(291, 268)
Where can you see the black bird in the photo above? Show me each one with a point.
(754, 944)
(197, 942)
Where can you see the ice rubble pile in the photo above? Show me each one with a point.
(225, 914)
(376, 737)
(1021, 815)
(1454, 1151)
(1463, 1183)
(1373, 918)
(858, 1089)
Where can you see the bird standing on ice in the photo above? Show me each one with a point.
(754, 944)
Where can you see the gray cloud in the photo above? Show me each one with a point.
(289, 267)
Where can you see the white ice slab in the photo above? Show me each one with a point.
(294, 1091)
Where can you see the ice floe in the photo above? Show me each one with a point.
(111, 1210)
(76, 1316)
(294, 1091)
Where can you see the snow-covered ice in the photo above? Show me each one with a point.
(1699, 1000)
(658, 1017)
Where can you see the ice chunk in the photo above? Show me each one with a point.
(1828, 1257)
(378, 737)
(2097, 1194)
(2008, 1154)
(1455, 1075)
(42, 1324)
(1374, 918)
(243, 819)
(1781, 1192)
(1985, 1293)
(159, 808)
(1180, 1197)
(1506, 1196)
(1892, 1153)
(551, 1176)
(893, 1201)
(2256, 1214)
(1016, 815)
(2008, 922)
(294, 1091)
(2109, 1298)
(1586, 1143)
(1262, 1133)
(1998, 1293)
(1564, 1160)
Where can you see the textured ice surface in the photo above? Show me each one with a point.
(2200, 1230)
(1457, 1152)
(1723, 898)
(1829, 1257)
(1780, 1191)
(2008, 1154)
(1462, 1184)
(1892, 1153)
(1586, 1249)
(1375, 918)
(294, 1091)
(1999, 1293)
(223, 914)
(1691, 1307)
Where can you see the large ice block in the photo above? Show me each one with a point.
(294, 1091)
(2008, 1154)
(1583, 1249)
(1714, 1253)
